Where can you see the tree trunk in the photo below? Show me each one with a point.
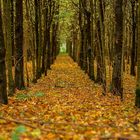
(37, 36)
(117, 77)
(12, 30)
(40, 39)
(90, 47)
(137, 100)
(99, 78)
(19, 57)
(3, 87)
(48, 49)
(44, 51)
(102, 43)
(133, 50)
(8, 43)
(91, 42)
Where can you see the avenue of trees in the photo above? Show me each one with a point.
(28, 34)
(102, 36)
(107, 41)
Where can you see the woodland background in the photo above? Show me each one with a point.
(102, 38)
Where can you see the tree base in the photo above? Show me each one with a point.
(137, 100)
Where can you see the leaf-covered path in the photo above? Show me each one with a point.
(68, 105)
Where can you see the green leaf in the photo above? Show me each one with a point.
(39, 94)
(15, 136)
(20, 129)
(18, 132)
(22, 96)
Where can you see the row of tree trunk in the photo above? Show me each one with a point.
(108, 36)
(28, 34)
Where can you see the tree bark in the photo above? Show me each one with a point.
(137, 100)
(102, 43)
(117, 77)
(133, 50)
(9, 44)
(19, 57)
(38, 39)
(3, 85)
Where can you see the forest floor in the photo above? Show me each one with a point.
(68, 105)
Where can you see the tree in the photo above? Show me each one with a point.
(55, 29)
(38, 39)
(117, 76)
(9, 43)
(133, 50)
(102, 44)
(19, 57)
(30, 14)
(3, 87)
(137, 100)
(45, 41)
(90, 41)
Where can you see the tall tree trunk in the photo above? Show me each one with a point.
(40, 39)
(133, 50)
(102, 43)
(48, 49)
(81, 35)
(37, 36)
(99, 78)
(50, 18)
(137, 100)
(44, 51)
(90, 47)
(74, 43)
(3, 87)
(12, 30)
(19, 57)
(8, 42)
(91, 42)
(117, 77)
(44, 59)
(54, 40)
(84, 34)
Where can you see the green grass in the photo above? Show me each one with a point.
(28, 96)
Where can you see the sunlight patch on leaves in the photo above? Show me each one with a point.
(36, 133)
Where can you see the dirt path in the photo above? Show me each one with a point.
(67, 105)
